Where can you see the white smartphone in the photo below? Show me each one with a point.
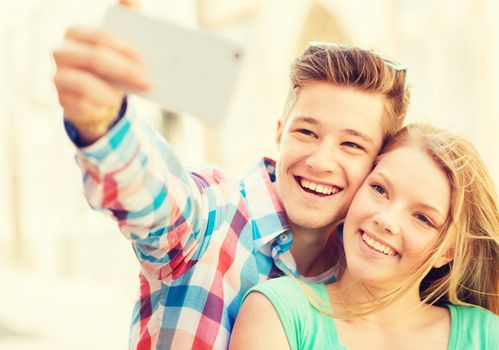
(192, 71)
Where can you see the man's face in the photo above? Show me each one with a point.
(325, 150)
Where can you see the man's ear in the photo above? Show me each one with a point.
(444, 259)
(278, 135)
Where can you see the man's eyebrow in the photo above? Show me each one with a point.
(359, 134)
(306, 119)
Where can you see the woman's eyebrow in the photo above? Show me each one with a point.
(432, 209)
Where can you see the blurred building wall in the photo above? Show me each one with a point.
(46, 227)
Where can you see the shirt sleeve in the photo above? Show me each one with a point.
(132, 175)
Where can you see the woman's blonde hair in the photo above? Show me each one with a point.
(470, 236)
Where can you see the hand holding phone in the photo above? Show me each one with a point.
(191, 70)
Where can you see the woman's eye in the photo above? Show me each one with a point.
(379, 189)
(424, 219)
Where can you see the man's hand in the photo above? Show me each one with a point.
(129, 3)
(93, 67)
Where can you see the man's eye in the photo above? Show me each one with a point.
(352, 145)
(306, 132)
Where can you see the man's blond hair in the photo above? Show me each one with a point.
(353, 67)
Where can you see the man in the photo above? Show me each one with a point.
(202, 240)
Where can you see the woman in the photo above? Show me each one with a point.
(421, 264)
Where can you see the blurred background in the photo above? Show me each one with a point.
(68, 279)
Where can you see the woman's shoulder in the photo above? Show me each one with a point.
(300, 320)
(474, 326)
(287, 288)
(276, 283)
(471, 314)
(280, 289)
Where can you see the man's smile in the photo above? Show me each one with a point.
(317, 188)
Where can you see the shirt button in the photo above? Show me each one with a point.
(283, 238)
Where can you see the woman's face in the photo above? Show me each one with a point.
(396, 216)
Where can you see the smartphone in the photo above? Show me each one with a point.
(192, 71)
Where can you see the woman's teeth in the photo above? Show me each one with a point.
(377, 245)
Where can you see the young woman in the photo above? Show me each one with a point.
(421, 261)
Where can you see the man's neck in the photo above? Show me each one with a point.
(314, 251)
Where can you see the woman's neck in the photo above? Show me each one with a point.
(404, 323)
(350, 291)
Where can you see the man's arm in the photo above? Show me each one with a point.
(258, 326)
(129, 171)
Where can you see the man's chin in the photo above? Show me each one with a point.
(311, 223)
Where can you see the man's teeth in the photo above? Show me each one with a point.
(377, 245)
(323, 189)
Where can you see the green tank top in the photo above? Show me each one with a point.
(307, 328)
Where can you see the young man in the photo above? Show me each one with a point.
(202, 240)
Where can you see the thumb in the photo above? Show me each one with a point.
(129, 3)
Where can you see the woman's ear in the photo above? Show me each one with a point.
(446, 258)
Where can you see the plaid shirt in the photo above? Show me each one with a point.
(202, 240)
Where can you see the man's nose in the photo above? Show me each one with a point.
(323, 158)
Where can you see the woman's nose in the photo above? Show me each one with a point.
(387, 221)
